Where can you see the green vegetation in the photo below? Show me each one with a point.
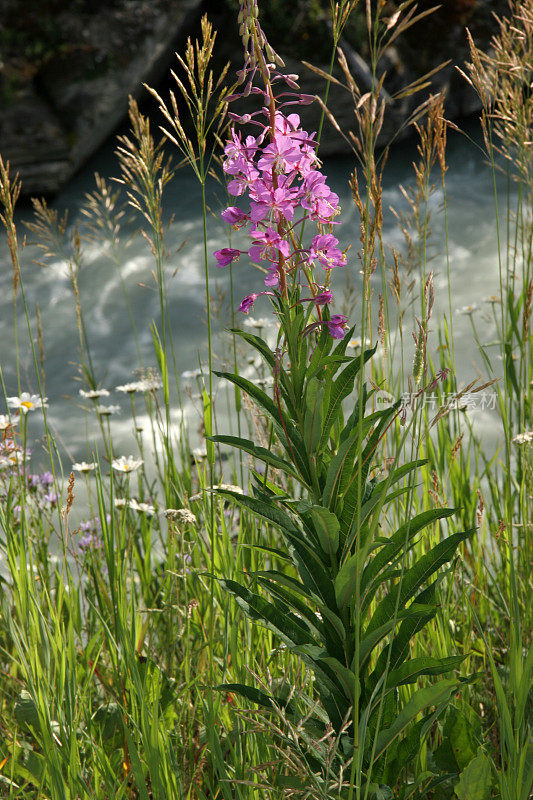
(337, 611)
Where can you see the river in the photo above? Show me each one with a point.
(474, 270)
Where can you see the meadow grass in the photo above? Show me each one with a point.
(128, 669)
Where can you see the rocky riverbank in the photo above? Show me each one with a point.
(67, 69)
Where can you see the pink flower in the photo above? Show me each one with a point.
(272, 276)
(239, 155)
(279, 202)
(323, 298)
(266, 244)
(324, 249)
(226, 256)
(234, 216)
(242, 182)
(280, 155)
(247, 303)
(337, 326)
(319, 199)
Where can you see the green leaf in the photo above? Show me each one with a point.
(288, 434)
(415, 612)
(402, 638)
(261, 453)
(275, 617)
(138, 774)
(326, 527)
(475, 780)
(277, 589)
(412, 669)
(208, 427)
(313, 413)
(341, 388)
(397, 542)
(433, 695)
(254, 695)
(263, 508)
(109, 719)
(413, 578)
(25, 710)
(262, 347)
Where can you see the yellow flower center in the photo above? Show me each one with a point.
(27, 404)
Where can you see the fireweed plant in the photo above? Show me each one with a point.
(114, 625)
(351, 600)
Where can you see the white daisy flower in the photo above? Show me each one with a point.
(84, 466)
(126, 463)
(27, 402)
(262, 322)
(492, 299)
(13, 459)
(94, 394)
(356, 343)
(6, 421)
(182, 514)
(141, 508)
(130, 388)
(467, 310)
(523, 438)
(193, 373)
(121, 502)
(106, 411)
(200, 452)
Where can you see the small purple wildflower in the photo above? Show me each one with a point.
(47, 479)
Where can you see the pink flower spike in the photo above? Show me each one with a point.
(226, 256)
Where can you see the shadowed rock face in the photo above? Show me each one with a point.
(439, 37)
(67, 68)
(67, 71)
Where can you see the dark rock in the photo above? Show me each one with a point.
(59, 109)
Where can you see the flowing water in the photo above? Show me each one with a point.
(474, 272)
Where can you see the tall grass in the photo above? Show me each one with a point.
(127, 669)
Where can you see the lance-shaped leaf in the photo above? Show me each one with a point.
(262, 347)
(261, 453)
(399, 646)
(397, 543)
(415, 577)
(438, 694)
(415, 612)
(410, 670)
(325, 526)
(341, 388)
(288, 434)
(275, 617)
(256, 696)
